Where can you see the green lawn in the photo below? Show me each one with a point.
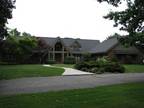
(115, 96)
(18, 71)
(64, 65)
(129, 68)
(134, 68)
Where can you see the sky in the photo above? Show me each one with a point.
(64, 18)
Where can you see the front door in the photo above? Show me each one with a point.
(58, 57)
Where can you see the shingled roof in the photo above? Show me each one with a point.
(86, 44)
(104, 46)
(91, 46)
(113, 43)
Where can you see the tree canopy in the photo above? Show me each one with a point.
(17, 47)
(6, 7)
(130, 19)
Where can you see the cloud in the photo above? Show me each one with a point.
(65, 18)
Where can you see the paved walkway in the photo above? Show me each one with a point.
(70, 71)
(44, 84)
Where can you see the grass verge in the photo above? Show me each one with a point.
(115, 96)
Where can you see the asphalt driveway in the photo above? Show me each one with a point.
(44, 84)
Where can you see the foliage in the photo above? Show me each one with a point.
(115, 35)
(19, 71)
(101, 65)
(51, 62)
(17, 48)
(86, 57)
(137, 40)
(6, 7)
(130, 20)
(69, 60)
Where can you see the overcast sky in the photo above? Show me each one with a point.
(64, 18)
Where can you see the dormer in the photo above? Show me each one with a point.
(75, 46)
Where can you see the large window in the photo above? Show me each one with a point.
(58, 46)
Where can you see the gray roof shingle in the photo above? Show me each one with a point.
(92, 46)
(85, 44)
(104, 46)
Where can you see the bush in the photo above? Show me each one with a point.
(101, 65)
(86, 57)
(51, 62)
(100, 70)
(94, 70)
(69, 60)
(114, 67)
(85, 69)
(81, 65)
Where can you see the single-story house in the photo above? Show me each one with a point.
(58, 49)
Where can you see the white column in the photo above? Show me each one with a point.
(63, 54)
(48, 55)
(54, 53)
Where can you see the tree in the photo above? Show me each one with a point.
(16, 47)
(14, 32)
(130, 20)
(6, 7)
(115, 35)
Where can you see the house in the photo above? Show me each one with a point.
(112, 48)
(58, 49)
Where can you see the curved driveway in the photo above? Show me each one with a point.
(44, 84)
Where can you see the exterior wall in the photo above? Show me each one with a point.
(129, 55)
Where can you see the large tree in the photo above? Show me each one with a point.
(130, 20)
(6, 7)
(17, 47)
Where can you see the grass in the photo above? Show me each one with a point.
(115, 96)
(129, 67)
(64, 65)
(134, 68)
(18, 71)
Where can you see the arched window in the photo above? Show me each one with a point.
(58, 46)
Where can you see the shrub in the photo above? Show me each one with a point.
(114, 67)
(51, 62)
(85, 69)
(102, 62)
(101, 65)
(69, 60)
(81, 65)
(94, 70)
(100, 70)
(86, 57)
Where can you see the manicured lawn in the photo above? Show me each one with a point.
(134, 68)
(64, 65)
(116, 96)
(18, 71)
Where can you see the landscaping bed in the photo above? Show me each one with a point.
(100, 65)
